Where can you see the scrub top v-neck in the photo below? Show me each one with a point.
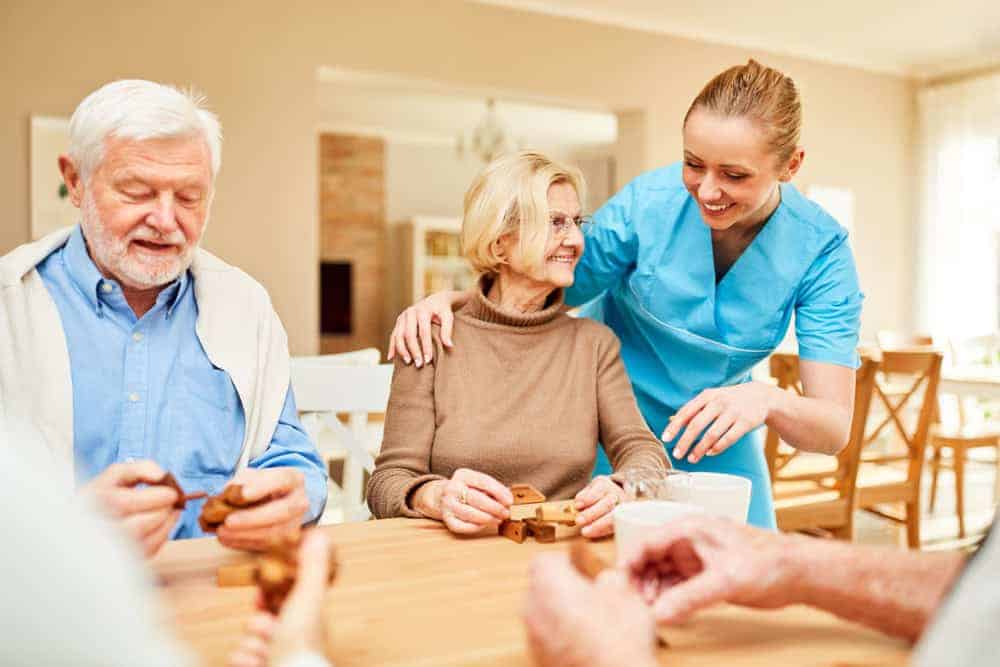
(648, 273)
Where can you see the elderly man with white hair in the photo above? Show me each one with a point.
(135, 352)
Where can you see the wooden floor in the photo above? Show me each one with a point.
(940, 528)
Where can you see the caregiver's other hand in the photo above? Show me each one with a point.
(572, 622)
(411, 337)
(467, 503)
(696, 562)
(596, 503)
(301, 628)
(724, 415)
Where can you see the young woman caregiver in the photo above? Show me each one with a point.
(698, 268)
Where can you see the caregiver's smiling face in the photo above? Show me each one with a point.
(729, 169)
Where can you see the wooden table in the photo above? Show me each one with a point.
(978, 381)
(410, 593)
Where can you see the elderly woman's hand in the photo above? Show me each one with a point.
(467, 503)
(595, 503)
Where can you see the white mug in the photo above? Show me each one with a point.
(635, 520)
(722, 495)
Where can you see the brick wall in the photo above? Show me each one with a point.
(352, 229)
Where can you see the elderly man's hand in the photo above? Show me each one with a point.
(147, 513)
(572, 622)
(596, 502)
(255, 528)
(696, 562)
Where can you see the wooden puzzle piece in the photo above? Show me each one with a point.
(217, 508)
(526, 493)
(168, 479)
(514, 530)
(542, 532)
(558, 512)
(238, 574)
(554, 508)
(278, 568)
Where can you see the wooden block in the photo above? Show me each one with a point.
(553, 508)
(238, 574)
(586, 562)
(542, 532)
(526, 493)
(514, 530)
(563, 511)
(522, 512)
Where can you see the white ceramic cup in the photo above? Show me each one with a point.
(721, 494)
(635, 520)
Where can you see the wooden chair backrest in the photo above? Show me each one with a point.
(785, 369)
(921, 370)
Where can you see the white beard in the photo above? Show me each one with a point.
(138, 272)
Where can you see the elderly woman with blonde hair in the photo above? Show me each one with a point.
(527, 391)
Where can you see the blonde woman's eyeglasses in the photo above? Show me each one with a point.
(562, 224)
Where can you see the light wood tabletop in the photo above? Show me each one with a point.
(410, 593)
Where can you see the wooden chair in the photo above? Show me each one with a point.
(965, 436)
(820, 500)
(888, 478)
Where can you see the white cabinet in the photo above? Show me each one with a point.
(425, 257)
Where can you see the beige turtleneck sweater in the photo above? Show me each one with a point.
(524, 398)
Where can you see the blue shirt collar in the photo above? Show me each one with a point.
(88, 279)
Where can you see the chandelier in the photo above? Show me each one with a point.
(490, 137)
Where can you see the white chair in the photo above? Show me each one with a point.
(325, 389)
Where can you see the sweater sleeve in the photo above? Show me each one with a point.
(404, 462)
(627, 440)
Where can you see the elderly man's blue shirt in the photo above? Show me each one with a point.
(143, 388)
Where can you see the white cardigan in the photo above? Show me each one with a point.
(236, 325)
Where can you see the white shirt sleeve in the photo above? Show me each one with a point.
(965, 632)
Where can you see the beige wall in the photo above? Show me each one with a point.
(257, 64)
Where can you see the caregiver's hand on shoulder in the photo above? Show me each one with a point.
(724, 415)
(467, 503)
(595, 503)
(411, 337)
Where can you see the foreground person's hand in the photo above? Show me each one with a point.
(467, 503)
(696, 562)
(253, 529)
(301, 627)
(596, 503)
(572, 622)
(145, 512)
(411, 337)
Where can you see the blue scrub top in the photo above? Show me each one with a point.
(648, 273)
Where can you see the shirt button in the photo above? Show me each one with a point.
(106, 287)
(133, 397)
(137, 336)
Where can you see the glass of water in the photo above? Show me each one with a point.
(656, 484)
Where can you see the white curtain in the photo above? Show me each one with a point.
(958, 269)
